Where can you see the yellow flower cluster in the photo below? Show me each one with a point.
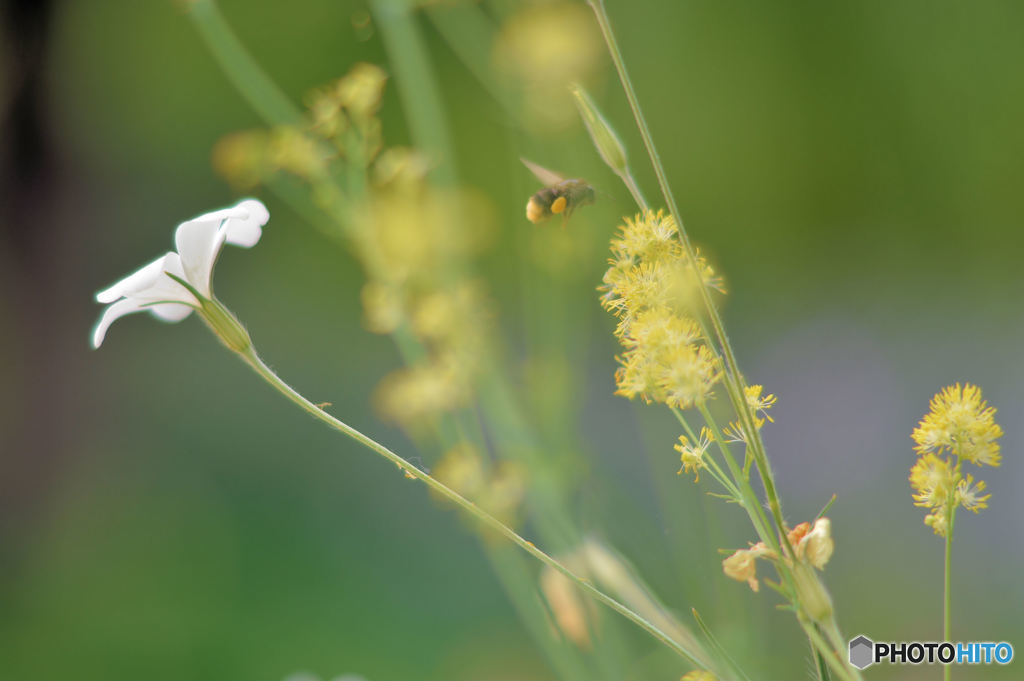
(813, 546)
(414, 241)
(959, 427)
(341, 122)
(411, 237)
(651, 288)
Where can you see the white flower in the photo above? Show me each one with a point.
(174, 285)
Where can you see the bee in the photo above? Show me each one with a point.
(559, 197)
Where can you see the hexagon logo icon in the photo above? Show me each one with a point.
(862, 652)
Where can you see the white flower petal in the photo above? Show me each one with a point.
(246, 230)
(164, 288)
(155, 288)
(170, 312)
(137, 281)
(198, 242)
(112, 314)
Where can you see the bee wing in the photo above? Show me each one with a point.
(546, 177)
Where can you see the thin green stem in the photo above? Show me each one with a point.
(268, 375)
(751, 504)
(733, 377)
(827, 654)
(709, 460)
(416, 84)
(634, 189)
(241, 69)
(820, 666)
(947, 615)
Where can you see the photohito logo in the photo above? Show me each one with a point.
(864, 652)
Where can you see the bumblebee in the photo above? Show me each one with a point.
(559, 197)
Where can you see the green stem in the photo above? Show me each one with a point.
(267, 374)
(830, 657)
(733, 378)
(241, 69)
(947, 615)
(820, 666)
(424, 111)
(751, 504)
(634, 189)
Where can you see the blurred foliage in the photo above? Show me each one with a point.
(853, 169)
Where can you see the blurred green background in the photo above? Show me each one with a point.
(855, 170)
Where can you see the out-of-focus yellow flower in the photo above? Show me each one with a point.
(295, 152)
(414, 395)
(400, 167)
(540, 51)
(698, 675)
(361, 89)
(461, 468)
(248, 158)
(383, 307)
(499, 490)
(961, 422)
(242, 158)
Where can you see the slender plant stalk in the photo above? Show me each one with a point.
(275, 108)
(947, 616)
(268, 375)
(252, 83)
(733, 379)
(842, 670)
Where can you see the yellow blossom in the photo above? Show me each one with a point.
(660, 330)
(938, 520)
(691, 372)
(692, 455)
(932, 480)
(969, 494)
(760, 404)
(961, 422)
(734, 432)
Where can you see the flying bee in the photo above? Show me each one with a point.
(559, 197)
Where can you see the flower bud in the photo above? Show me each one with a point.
(225, 325)
(811, 594)
(605, 139)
